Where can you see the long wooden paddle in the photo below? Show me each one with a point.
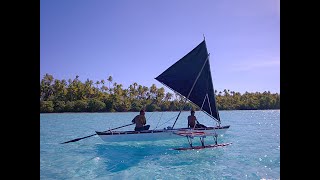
(74, 140)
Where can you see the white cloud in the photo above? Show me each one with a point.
(254, 65)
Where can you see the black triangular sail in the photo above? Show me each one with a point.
(182, 77)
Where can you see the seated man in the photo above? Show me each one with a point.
(193, 123)
(140, 121)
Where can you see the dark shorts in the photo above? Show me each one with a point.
(142, 128)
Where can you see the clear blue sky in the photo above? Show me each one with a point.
(136, 40)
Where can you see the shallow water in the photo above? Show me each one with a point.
(254, 154)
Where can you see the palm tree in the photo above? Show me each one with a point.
(110, 80)
(102, 87)
(226, 93)
(135, 91)
(160, 94)
(135, 85)
(153, 90)
(131, 91)
(97, 83)
(145, 90)
(46, 86)
(168, 96)
(140, 91)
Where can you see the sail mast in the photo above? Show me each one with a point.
(215, 100)
(214, 96)
(194, 83)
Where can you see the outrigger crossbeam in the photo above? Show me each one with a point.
(190, 138)
(190, 135)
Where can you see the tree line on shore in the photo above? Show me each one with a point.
(101, 96)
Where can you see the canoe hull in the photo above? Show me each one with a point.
(154, 135)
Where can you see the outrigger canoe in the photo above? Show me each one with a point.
(153, 135)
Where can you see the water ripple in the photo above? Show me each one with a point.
(254, 154)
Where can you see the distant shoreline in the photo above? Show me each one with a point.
(152, 111)
(109, 96)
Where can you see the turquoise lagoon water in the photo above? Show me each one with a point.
(254, 154)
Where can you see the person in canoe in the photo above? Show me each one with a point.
(140, 121)
(193, 122)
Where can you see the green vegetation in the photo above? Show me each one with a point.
(75, 96)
